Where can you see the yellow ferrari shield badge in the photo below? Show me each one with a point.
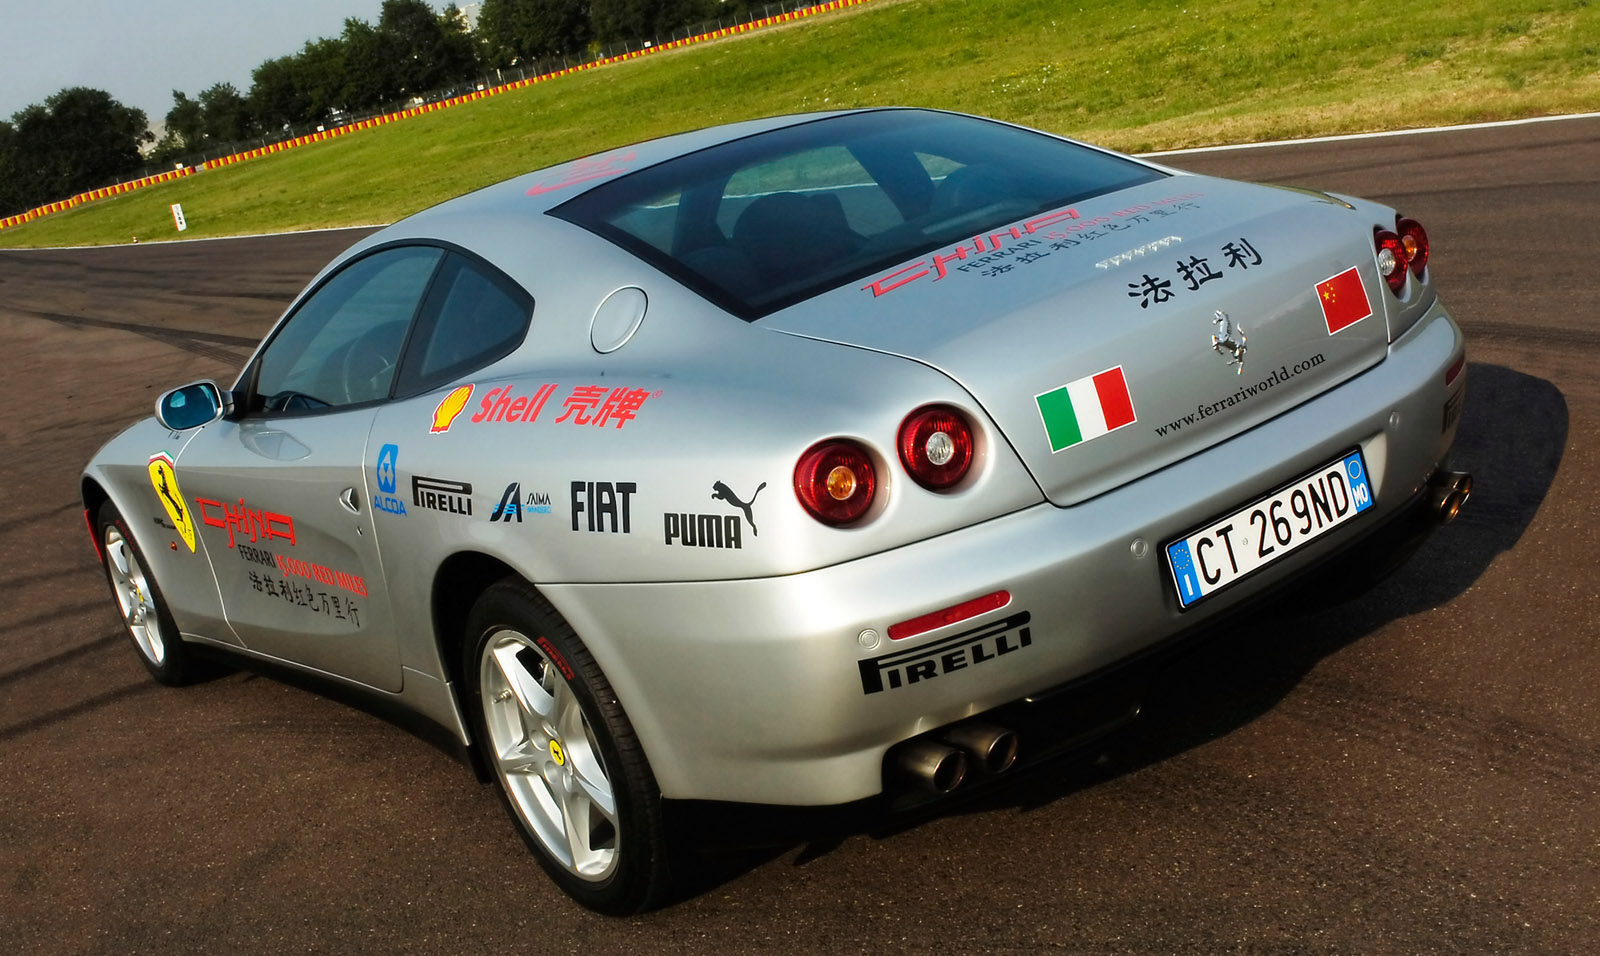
(165, 482)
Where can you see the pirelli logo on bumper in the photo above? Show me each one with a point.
(967, 649)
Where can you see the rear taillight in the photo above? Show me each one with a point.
(935, 445)
(1414, 240)
(835, 481)
(1391, 259)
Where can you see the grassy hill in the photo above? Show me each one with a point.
(1131, 74)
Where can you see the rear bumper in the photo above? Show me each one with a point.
(770, 690)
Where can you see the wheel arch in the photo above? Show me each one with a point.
(93, 493)
(99, 489)
(460, 581)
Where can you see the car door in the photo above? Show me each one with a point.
(431, 494)
(279, 486)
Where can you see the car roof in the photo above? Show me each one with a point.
(517, 206)
(539, 191)
(523, 227)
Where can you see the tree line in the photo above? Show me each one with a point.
(78, 139)
(81, 138)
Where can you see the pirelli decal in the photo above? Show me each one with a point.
(956, 652)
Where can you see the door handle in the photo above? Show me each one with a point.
(351, 503)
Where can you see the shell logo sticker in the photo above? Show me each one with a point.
(557, 754)
(165, 481)
(445, 414)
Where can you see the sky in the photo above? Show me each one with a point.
(139, 51)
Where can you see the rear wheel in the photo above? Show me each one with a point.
(570, 769)
(144, 610)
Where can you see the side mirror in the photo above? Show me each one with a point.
(191, 406)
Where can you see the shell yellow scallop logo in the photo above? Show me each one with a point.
(446, 412)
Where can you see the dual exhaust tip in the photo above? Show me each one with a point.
(942, 764)
(1448, 491)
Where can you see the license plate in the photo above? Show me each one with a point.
(1241, 543)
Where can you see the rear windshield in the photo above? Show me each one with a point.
(760, 223)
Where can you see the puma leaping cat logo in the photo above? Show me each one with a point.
(721, 492)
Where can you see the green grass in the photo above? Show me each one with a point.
(1130, 74)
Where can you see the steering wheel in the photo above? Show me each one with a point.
(368, 362)
(290, 400)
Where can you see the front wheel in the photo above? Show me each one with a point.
(143, 610)
(571, 771)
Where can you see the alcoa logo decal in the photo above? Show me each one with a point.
(384, 500)
(165, 481)
(445, 414)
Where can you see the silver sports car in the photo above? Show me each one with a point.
(793, 462)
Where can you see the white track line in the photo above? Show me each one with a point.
(1393, 132)
(175, 242)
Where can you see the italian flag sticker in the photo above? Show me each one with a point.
(1088, 408)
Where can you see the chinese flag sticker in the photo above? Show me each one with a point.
(1343, 300)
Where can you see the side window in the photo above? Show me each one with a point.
(341, 346)
(474, 316)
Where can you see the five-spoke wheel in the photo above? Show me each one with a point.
(132, 590)
(571, 771)
(546, 756)
(139, 600)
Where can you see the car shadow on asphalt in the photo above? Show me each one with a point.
(1512, 436)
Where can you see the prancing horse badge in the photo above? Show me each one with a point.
(1229, 341)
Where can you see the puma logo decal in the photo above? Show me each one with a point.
(721, 492)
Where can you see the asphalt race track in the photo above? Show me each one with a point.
(1415, 770)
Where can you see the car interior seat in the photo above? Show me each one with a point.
(790, 237)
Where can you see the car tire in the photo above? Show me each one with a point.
(553, 734)
(139, 600)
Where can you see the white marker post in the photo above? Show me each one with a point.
(177, 217)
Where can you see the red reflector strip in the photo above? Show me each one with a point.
(1455, 368)
(950, 615)
(94, 537)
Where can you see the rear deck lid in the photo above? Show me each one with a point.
(1138, 329)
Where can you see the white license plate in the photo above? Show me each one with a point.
(1266, 530)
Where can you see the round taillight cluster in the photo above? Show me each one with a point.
(1414, 240)
(1404, 248)
(1391, 259)
(935, 445)
(835, 481)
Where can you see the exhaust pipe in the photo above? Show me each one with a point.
(932, 765)
(993, 749)
(1447, 492)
